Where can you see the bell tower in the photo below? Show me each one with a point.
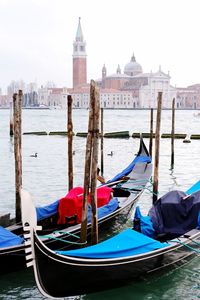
(79, 58)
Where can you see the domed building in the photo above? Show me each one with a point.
(132, 68)
(120, 80)
(141, 89)
(130, 89)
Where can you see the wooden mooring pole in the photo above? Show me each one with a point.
(93, 198)
(20, 99)
(70, 140)
(11, 119)
(157, 148)
(151, 133)
(17, 104)
(173, 133)
(87, 174)
(102, 162)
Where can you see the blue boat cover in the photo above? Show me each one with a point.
(146, 225)
(126, 243)
(8, 239)
(47, 210)
(198, 223)
(194, 188)
(175, 213)
(125, 172)
(104, 210)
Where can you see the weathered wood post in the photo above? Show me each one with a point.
(70, 139)
(172, 133)
(20, 99)
(102, 163)
(94, 221)
(151, 133)
(157, 148)
(87, 174)
(17, 99)
(11, 119)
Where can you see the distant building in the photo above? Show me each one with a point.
(109, 98)
(189, 97)
(5, 101)
(15, 86)
(79, 59)
(52, 97)
(131, 89)
(30, 99)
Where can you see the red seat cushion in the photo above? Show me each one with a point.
(71, 204)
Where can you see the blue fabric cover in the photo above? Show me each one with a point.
(175, 213)
(194, 188)
(125, 172)
(104, 210)
(47, 210)
(146, 224)
(198, 223)
(126, 243)
(8, 239)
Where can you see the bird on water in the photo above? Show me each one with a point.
(34, 155)
(111, 153)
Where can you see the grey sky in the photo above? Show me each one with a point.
(37, 36)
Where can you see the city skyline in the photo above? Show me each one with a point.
(37, 39)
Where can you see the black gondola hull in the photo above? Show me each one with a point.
(13, 259)
(61, 276)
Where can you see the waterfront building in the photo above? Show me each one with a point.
(131, 89)
(109, 98)
(30, 99)
(188, 97)
(15, 86)
(4, 101)
(52, 97)
(128, 89)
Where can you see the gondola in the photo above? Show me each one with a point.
(125, 257)
(127, 186)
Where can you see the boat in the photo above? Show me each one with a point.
(128, 256)
(127, 186)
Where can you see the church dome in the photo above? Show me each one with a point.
(132, 68)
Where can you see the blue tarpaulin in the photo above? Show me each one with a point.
(47, 211)
(126, 243)
(104, 210)
(125, 172)
(146, 225)
(194, 188)
(8, 239)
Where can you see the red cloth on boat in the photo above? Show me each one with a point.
(71, 204)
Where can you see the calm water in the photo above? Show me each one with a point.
(45, 177)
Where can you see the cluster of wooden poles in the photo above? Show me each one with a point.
(91, 161)
(91, 154)
(91, 157)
